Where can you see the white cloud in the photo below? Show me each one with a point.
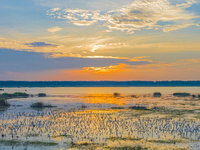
(55, 9)
(176, 27)
(146, 14)
(99, 46)
(85, 23)
(54, 29)
(141, 14)
(79, 17)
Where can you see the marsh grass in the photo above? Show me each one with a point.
(138, 107)
(157, 94)
(181, 94)
(4, 103)
(10, 142)
(193, 104)
(32, 135)
(41, 94)
(39, 143)
(169, 141)
(177, 112)
(124, 138)
(127, 148)
(117, 108)
(116, 94)
(40, 105)
(62, 135)
(86, 145)
(14, 95)
(32, 143)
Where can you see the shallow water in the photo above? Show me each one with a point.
(102, 90)
(93, 118)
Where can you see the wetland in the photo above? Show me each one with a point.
(101, 118)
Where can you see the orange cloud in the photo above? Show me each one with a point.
(106, 69)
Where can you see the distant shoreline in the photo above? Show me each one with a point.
(11, 84)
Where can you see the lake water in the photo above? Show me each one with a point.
(94, 97)
(93, 118)
(102, 90)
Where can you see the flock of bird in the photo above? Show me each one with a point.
(95, 126)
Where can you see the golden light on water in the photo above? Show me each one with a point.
(105, 99)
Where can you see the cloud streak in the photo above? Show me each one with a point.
(168, 28)
(40, 44)
(54, 29)
(106, 69)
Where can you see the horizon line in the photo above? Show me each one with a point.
(98, 80)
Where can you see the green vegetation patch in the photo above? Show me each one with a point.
(3, 102)
(116, 94)
(39, 143)
(42, 95)
(86, 145)
(117, 107)
(37, 105)
(168, 141)
(34, 143)
(40, 105)
(176, 112)
(32, 135)
(62, 135)
(181, 94)
(138, 108)
(127, 148)
(10, 142)
(124, 138)
(14, 95)
(157, 94)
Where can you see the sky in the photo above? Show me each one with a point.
(93, 40)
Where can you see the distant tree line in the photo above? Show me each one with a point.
(98, 83)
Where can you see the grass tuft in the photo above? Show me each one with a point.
(40, 105)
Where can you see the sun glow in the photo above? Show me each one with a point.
(105, 69)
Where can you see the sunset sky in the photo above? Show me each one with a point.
(79, 40)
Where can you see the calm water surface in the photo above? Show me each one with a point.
(102, 90)
(71, 97)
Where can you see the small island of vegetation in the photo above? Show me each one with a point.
(157, 94)
(181, 94)
(40, 105)
(116, 94)
(42, 95)
(4, 103)
(14, 95)
(138, 107)
(5, 96)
